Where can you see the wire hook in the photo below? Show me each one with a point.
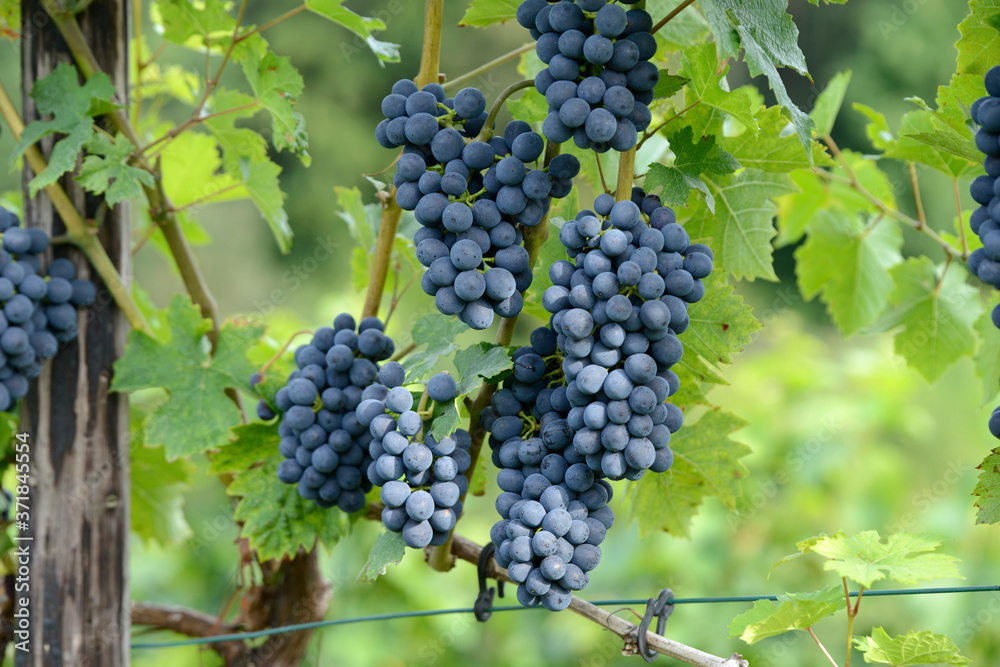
(661, 607)
(484, 600)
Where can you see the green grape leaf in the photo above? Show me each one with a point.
(769, 40)
(771, 149)
(107, 170)
(721, 323)
(356, 216)
(743, 224)
(865, 558)
(252, 443)
(276, 520)
(530, 107)
(878, 127)
(687, 28)
(435, 335)
(934, 313)
(190, 23)
(847, 261)
(828, 103)
(949, 141)
(691, 160)
(706, 462)
(988, 356)
(913, 648)
(197, 414)
(261, 182)
(157, 493)
(482, 13)
(388, 549)
(700, 66)
(987, 491)
(926, 139)
(979, 44)
(362, 26)
(191, 168)
(668, 85)
(237, 143)
(476, 364)
(792, 611)
(276, 84)
(72, 107)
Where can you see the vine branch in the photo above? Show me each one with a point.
(430, 52)
(77, 231)
(487, 130)
(482, 69)
(670, 17)
(626, 175)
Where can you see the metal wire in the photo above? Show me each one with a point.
(239, 636)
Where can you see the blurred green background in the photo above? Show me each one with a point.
(844, 435)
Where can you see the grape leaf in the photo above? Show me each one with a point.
(668, 85)
(721, 323)
(190, 23)
(792, 611)
(847, 262)
(72, 107)
(926, 139)
(691, 160)
(261, 182)
(191, 168)
(771, 149)
(987, 489)
(276, 85)
(742, 227)
(476, 364)
(914, 648)
(157, 493)
(935, 314)
(356, 216)
(706, 462)
(552, 250)
(252, 443)
(828, 103)
(686, 28)
(275, 520)
(988, 356)
(530, 107)
(437, 333)
(238, 144)
(362, 26)
(197, 414)
(979, 44)
(769, 40)
(482, 13)
(107, 170)
(865, 558)
(699, 64)
(387, 550)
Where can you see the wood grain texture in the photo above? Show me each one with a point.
(78, 429)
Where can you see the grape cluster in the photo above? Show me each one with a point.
(473, 198)
(424, 507)
(598, 81)
(37, 312)
(985, 190)
(324, 444)
(618, 307)
(553, 508)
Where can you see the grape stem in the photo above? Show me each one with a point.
(958, 208)
(430, 53)
(77, 230)
(405, 351)
(670, 17)
(822, 648)
(482, 69)
(487, 131)
(626, 175)
(467, 550)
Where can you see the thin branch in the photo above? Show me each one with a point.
(202, 200)
(487, 130)
(138, 245)
(482, 69)
(273, 22)
(917, 201)
(430, 52)
(649, 133)
(467, 550)
(391, 213)
(600, 172)
(405, 351)
(670, 17)
(190, 623)
(173, 133)
(76, 227)
(822, 648)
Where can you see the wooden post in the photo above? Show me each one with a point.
(78, 603)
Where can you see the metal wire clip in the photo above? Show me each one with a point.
(484, 600)
(661, 607)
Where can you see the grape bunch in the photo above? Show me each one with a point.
(37, 312)
(598, 81)
(324, 444)
(985, 221)
(618, 307)
(553, 507)
(424, 507)
(473, 198)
